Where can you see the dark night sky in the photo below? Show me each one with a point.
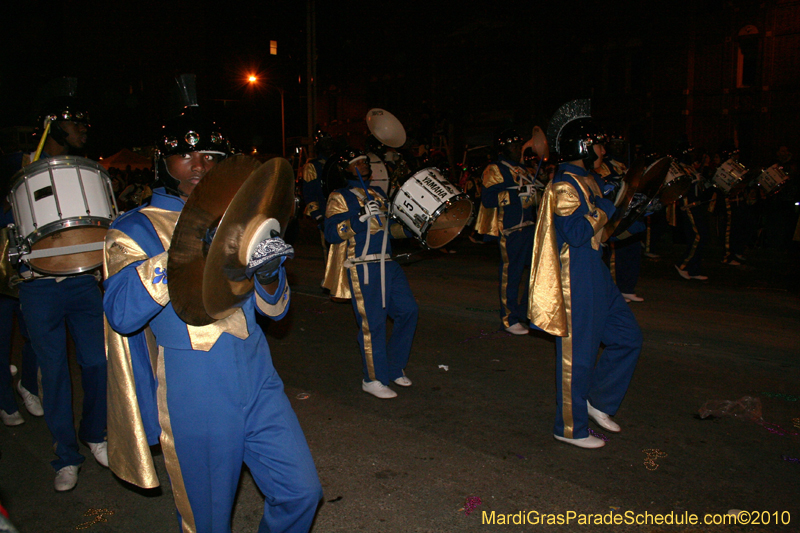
(126, 54)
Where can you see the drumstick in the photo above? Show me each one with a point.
(369, 196)
(38, 153)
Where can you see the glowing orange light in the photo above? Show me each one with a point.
(252, 79)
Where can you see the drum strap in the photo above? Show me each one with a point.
(523, 174)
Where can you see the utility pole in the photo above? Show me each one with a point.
(311, 68)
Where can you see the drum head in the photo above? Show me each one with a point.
(449, 224)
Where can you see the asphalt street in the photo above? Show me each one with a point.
(473, 435)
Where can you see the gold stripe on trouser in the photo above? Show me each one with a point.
(612, 262)
(362, 311)
(170, 456)
(696, 240)
(727, 229)
(566, 348)
(504, 281)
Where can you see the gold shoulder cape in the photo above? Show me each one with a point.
(545, 297)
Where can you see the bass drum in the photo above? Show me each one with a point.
(431, 208)
(676, 184)
(63, 207)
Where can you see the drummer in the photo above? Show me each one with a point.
(360, 264)
(212, 396)
(50, 305)
(506, 215)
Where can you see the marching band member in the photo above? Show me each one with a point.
(210, 394)
(624, 252)
(360, 265)
(51, 305)
(506, 214)
(692, 216)
(572, 295)
(313, 195)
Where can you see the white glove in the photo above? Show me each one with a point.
(369, 209)
(525, 191)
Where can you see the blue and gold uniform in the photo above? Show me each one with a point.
(210, 394)
(509, 218)
(361, 250)
(573, 297)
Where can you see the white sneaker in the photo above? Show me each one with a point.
(66, 478)
(378, 389)
(100, 452)
(403, 381)
(602, 419)
(587, 442)
(13, 419)
(13, 369)
(517, 329)
(32, 402)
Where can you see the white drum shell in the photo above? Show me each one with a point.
(772, 179)
(422, 199)
(729, 175)
(57, 193)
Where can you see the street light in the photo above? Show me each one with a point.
(253, 79)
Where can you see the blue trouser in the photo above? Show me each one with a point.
(381, 362)
(48, 306)
(694, 223)
(225, 407)
(598, 314)
(515, 253)
(8, 308)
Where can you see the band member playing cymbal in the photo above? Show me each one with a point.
(572, 295)
(360, 265)
(506, 214)
(209, 393)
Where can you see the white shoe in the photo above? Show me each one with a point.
(32, 402)
(66, 478)
(378, 389)
(517, 329)
(683, 273)
(13, 369)
(632, 298)
(602, 419)
(403, 381)
(13, 419)
(100, 452)
(586, 442)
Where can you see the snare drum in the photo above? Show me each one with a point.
(772, 179)
(431, 208)
(62, 207)
(729, 177)
(676, 184)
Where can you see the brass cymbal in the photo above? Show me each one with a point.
(644, 181)
(631, 182)
(260, 209)
(187, 253)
